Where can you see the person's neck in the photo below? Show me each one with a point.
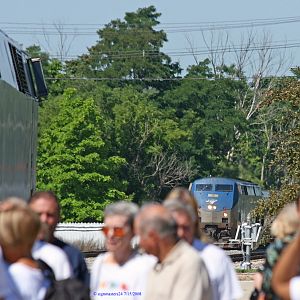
(122, 257)
(16, 254)
(51, 239)
(166, 248)
(28, 261)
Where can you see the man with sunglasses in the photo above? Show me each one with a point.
(120, 273)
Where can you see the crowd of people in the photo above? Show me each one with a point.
(172, 260)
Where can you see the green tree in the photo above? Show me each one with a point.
(129, 50)
(73, 158)
(147, 137)
(286, 148)
(205, 109)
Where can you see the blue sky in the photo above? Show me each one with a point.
(64, 12)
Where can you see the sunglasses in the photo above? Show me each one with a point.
(114, 231)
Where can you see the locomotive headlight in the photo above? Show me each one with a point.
(225, 214)
(214, 207)
(210, 207)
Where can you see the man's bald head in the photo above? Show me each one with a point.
(157, 230)
(155, 217)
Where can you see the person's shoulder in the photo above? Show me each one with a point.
(66, 247)
(199, 245)
(215, 253)
(59, 243)
(63, 245)
(23, 271)
(49, 249)
(99, 259)
(6, 286)
(145, 259)
(190, 261)
(216, 258)
(214, 249)
(294, 288)
(188, 253)
(30, 282)
(16, 267)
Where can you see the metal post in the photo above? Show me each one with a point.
(246, 240)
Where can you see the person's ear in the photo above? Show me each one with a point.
(153, 235)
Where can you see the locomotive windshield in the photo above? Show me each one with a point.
(224, 188)
(203, 187)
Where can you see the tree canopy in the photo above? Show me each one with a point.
(129, 49)
(74, 161)
(126, 125)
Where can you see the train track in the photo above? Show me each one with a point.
(88, 254)
(235, 257)
(257, 254)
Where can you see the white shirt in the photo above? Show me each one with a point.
(127, 281)
(29, 281)
(225, 284)
(295, 288)
(54, 257)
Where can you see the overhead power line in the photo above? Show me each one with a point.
(84, 29)
(184, 50)
(147, 79)
(164, 24)
(197, 51)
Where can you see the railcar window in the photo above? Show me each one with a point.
(250, 190)
(224, 188)
(242, 189)
(257, 190)
(203, 187)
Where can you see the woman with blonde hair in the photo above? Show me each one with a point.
(19, 227)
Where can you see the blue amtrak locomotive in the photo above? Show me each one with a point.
(224, 203)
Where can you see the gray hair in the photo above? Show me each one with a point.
(122, 208)
(175, 205)
(164, 225)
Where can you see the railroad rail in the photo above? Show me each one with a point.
(95, 253)
(257, 254)
(235, 257)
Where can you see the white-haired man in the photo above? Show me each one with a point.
(180, 272)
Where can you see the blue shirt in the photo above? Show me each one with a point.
(199, 245)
